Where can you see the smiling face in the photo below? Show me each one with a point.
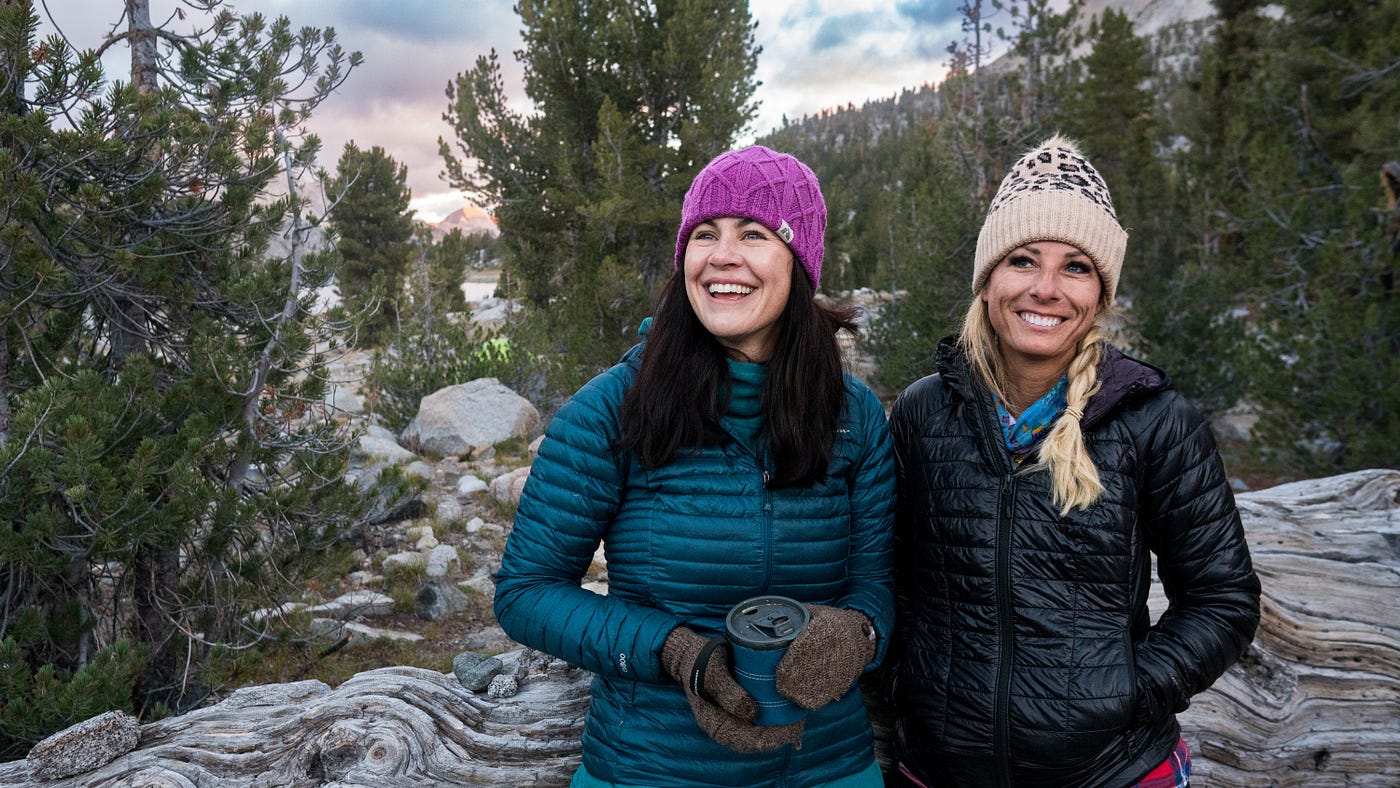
(1042, 298)
(738, 275)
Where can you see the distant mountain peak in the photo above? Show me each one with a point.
(470, 219)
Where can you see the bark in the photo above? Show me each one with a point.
(1314, 703)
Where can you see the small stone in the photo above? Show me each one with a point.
(405, 561)
(502, 687)
(448, 510)
(470, 484)
(475, 671)
(441, 559)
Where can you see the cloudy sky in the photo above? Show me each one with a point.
(816, 54)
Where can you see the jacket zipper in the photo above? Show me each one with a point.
(760, 458)
(1001, 714)
(767, 522)
(1001, 743)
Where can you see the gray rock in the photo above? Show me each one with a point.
(356, 603)
(475, 671)
(341, 400)
(363, 635)
(448, 510)
(441, 559)
(454, 420)
(507, 487)
(469, 484)
(438, 600)
(419, 469)
(88, 745)
(502, 687)
(383, 433)
(401, 561)
(280, 612)
(382, 448)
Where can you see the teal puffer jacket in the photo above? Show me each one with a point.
(683, 544)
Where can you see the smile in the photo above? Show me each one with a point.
(1041, 321)
(726, 287)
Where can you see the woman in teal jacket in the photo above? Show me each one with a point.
(727, 456)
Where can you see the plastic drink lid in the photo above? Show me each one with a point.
(765, 622)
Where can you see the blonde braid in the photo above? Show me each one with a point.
(1074, 479)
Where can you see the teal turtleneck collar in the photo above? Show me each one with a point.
(745, 412)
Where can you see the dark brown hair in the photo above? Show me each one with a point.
(682, 388)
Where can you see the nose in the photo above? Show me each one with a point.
(1046, 285)
(725, 251)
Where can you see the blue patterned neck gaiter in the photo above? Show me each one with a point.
(1023, 433)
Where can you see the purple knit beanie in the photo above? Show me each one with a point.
(771, 188)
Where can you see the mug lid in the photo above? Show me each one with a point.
(765, 622)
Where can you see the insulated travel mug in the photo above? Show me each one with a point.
(759, 631)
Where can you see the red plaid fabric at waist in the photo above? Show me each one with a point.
(1175, 771)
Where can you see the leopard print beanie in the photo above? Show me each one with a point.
(1053, 194)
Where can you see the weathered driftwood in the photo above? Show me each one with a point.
(1316, 702)
(382, 728)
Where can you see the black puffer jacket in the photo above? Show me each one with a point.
(1025, 652)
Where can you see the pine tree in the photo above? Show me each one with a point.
(630, 100)
(1330, 335)
(164, 470)
(373, 229)
(1043, 38)
(931, 232)
(1283, 166)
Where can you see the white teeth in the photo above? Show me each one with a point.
(1041, 320)
(725, 287)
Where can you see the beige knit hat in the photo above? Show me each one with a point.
(1053, 194)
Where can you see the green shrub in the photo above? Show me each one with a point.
(425, 361)
(38, 703)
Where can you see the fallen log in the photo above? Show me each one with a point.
(395, 726)
(1315, 702)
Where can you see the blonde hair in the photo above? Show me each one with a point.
(1074, 481)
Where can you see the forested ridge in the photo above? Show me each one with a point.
(168, 463)
(1252, 158)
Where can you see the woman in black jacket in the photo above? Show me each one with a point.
(1040, 470)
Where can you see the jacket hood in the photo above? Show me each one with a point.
(1121, 377)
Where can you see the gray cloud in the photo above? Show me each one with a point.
(431, 22)
(839, 31)
(930, 13)
(816, 54)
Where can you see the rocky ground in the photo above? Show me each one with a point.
(417, 586)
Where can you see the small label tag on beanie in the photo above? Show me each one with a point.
(785, 232)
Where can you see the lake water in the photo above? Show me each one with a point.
(480, 285)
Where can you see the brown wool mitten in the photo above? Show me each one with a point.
(721, 707)
(827, 656)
